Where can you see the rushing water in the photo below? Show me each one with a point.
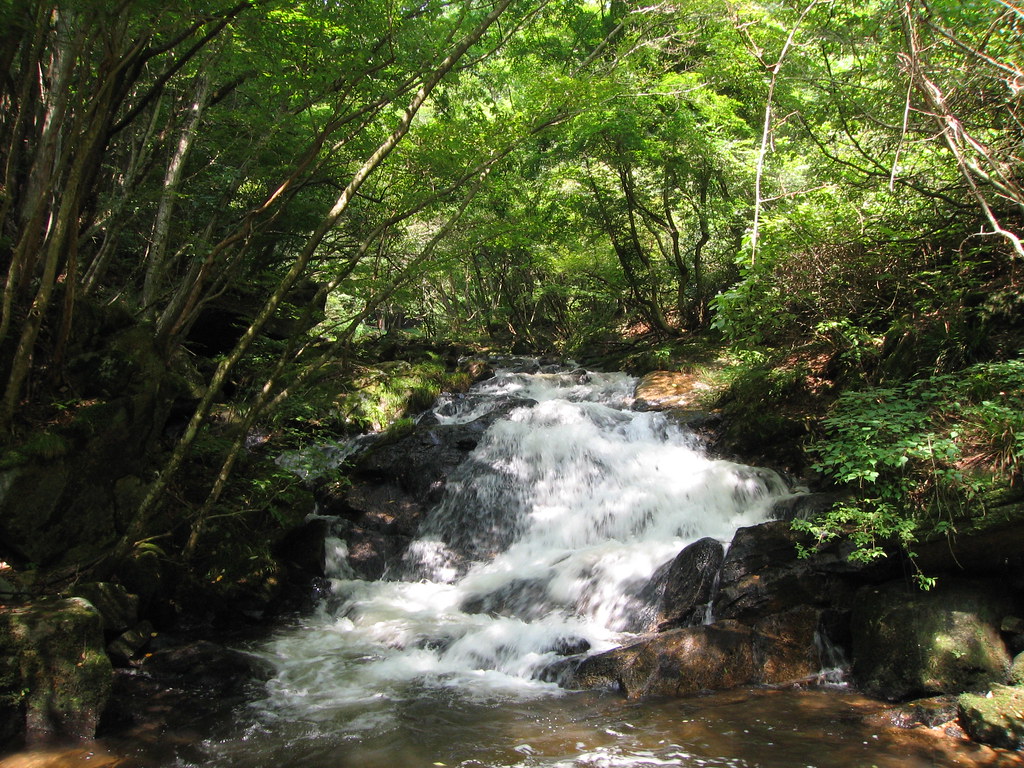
(543, 546)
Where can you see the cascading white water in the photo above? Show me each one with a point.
(541, 547)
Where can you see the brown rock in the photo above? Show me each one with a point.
(662, 390)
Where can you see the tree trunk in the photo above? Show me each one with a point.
(156, 256)
(137, 528)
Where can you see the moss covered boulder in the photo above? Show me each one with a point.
(908, 643)
(54, 670)
(995, 717)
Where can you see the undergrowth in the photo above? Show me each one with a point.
(918, 454)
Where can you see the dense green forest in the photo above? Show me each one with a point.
(218, 211)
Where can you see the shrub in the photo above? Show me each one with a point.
(917, 453)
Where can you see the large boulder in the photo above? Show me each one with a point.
(674, 663)
(995, 717)
(910, 643)
(118, 608)
(684, 661)
(763, 574)
(67, 493)
(788, 646)
(54, 668)
(396, 481)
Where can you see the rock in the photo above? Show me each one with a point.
(763, 574)
(702, 422)
(302, 548)
(684, 661)
(661, 390)
(523, 598)
(786, 646)
(68, 493)
(421, 461)
(675, 663)
(937, 712)
(1017, 670)
(689, 583)
(910, 643)
(129, 645)
(395, 482)
(372, 554)
(54, 668)
(804, 506)
(384, 507)
(205, 665)
(996, 717)
(1013, 632)
(118, 608)
(155, 580)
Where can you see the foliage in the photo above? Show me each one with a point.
(918, 453)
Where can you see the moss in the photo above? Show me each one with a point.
(391, 391)
(995, 717)
(12, 458)
(45, 445)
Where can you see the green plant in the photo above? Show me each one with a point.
(917, 454)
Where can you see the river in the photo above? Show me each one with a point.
(543, 547)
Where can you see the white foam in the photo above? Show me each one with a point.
(542, 545)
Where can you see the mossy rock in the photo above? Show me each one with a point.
(55, 667)
(995, 717)
(1017, 670)
(908, 643)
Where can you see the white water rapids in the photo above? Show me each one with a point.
(542, 546)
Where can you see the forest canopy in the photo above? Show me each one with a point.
(262, 184)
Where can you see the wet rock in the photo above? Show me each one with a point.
(910, 643)
(383, 507)
(571, 646)
(54, 668)
(763, 574)
(373, 555)
(129, 645)
(421, 461)
(995, 717)
(661, 390)
(704, 423)
(786, 646)
(727, 654)
(932, 712)
(689, 583)
(675, 663)
(523, 598)
(804, 506)
(302, 548)
(395, 482)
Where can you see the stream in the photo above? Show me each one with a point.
(542, 548)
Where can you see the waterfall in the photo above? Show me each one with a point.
(543, 546)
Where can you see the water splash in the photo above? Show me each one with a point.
(543, 546)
